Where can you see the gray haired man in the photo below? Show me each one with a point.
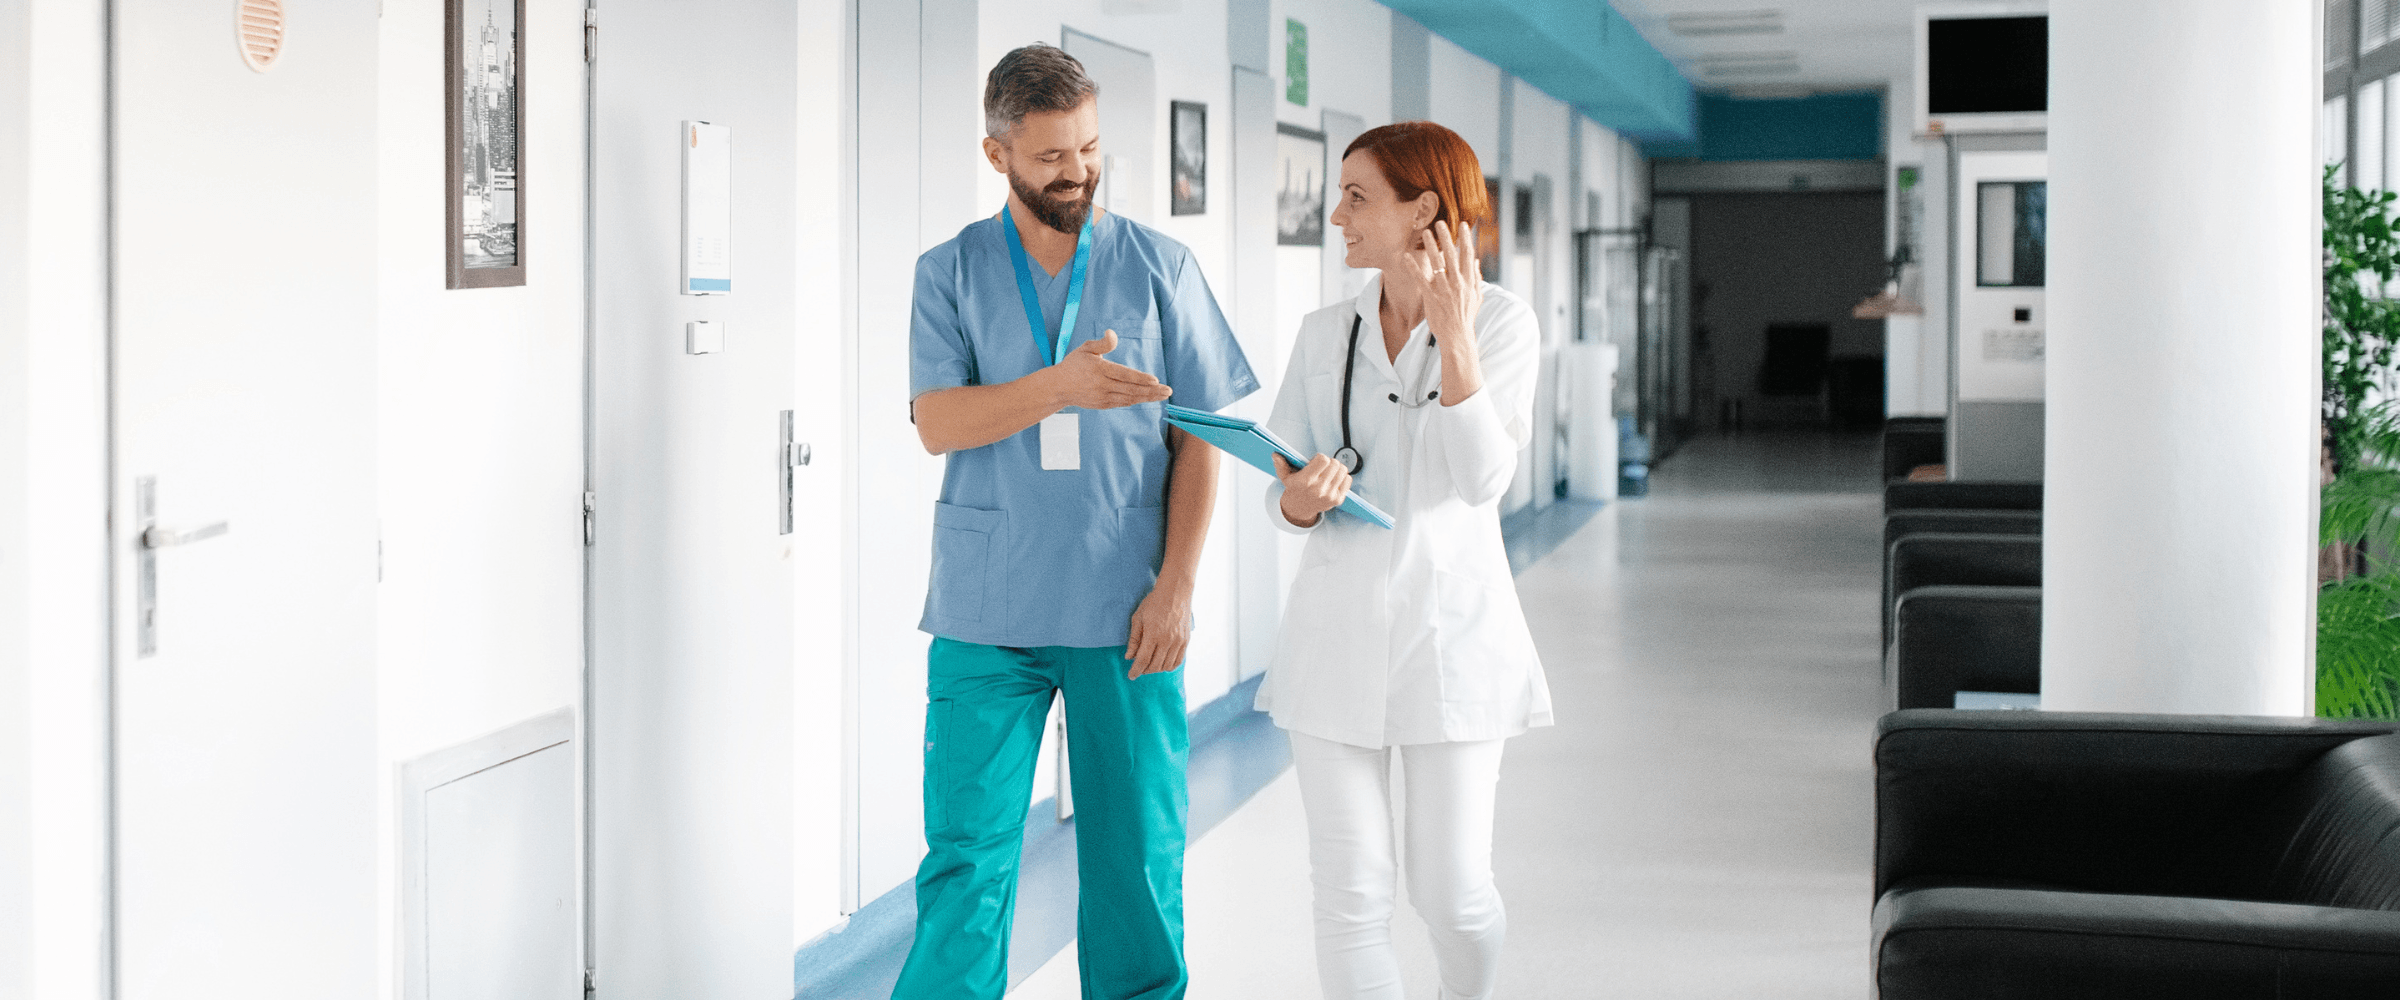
(1066, 545)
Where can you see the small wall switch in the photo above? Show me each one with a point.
(703, 336)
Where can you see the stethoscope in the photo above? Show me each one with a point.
(1348, 455)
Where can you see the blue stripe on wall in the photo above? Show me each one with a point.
(1580, 51)
(1823, 127)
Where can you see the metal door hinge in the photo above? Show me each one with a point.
(591, 32)
(591, 502)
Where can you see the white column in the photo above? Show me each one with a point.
(2183, 357)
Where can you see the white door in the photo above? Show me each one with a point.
(243, 367)
(693, 647)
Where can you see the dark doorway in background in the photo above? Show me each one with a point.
(1796, 261)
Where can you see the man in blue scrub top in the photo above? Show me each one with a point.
(1043, 341)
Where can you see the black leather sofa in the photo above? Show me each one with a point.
(1956, 558)
(1909, 442)
(1904, 495)
(1925, 521)
(1947, 639)
(2067, 856)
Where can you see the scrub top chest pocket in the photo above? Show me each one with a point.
(1139, 348)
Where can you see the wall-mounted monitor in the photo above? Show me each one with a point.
(1983, 68)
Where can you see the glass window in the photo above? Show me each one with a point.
(2010, 238)
(2370, 160)
(2333, 135)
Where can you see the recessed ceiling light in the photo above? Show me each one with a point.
(1771, 91)
(1750, 67)
(1742, 22)
(1748, 63)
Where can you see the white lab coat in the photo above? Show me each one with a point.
(1413, 634)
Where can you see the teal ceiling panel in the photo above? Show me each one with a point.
(1580, 51)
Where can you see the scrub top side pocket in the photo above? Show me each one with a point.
(966, 545)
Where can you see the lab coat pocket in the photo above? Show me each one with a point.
(1479, 630)
(963, 543)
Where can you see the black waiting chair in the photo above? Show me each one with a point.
(2073, 856)
(1927, 560)
(1909, 442)
(1795, 364)
(1952, 638)
(1935, 521)
(1904, 495)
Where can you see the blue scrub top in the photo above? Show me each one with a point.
(1024, 556)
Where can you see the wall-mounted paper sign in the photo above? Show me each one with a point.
(707, 210)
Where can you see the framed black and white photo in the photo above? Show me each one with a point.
(1188, 144)
(485, 56)
(1299, 186)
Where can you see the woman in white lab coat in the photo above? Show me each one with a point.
(1407, 641)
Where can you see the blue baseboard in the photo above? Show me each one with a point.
(1235, 752)
(1534, 532)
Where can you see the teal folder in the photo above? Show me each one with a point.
(1249, 441)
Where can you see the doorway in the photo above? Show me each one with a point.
(1796, 263)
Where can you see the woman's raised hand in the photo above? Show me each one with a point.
(1309, 492)
(1452, 276)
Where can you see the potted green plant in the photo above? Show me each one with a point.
(2358, 605)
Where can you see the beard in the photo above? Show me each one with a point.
(1064, 205)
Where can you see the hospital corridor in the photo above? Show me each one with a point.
(1199, 499)
(1703, 833)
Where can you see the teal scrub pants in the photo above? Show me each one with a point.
(1126, 752)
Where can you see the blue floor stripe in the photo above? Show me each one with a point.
(1235, 753)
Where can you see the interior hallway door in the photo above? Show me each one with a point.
(243, 368)
(693, 651)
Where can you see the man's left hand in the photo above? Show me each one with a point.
(1162, 627)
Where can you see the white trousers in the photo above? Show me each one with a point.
(1447, 794)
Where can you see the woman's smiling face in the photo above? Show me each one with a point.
(1376, 225)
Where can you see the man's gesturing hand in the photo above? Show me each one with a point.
(1308, 493)
(1086, 379)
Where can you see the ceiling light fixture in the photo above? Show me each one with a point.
(1744, 22)
(1750, 64)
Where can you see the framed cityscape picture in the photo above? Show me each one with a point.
(485, 55)
(1299, 186)
(1188, 143)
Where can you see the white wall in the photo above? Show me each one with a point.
(481, 421)
(53, 448)
(1916, 349)
(1466, 98)
(16, 809)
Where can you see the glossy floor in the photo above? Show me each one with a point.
(1697, 824)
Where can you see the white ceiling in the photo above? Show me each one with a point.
(1831, 44)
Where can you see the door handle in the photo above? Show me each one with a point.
(155, 537)
(793, 454)
(152, 538)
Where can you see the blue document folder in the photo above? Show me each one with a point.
(1253, 443)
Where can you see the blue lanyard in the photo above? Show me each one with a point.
(1033, 302)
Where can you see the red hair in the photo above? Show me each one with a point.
(1417, 157)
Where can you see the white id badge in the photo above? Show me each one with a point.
(1062, 442)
